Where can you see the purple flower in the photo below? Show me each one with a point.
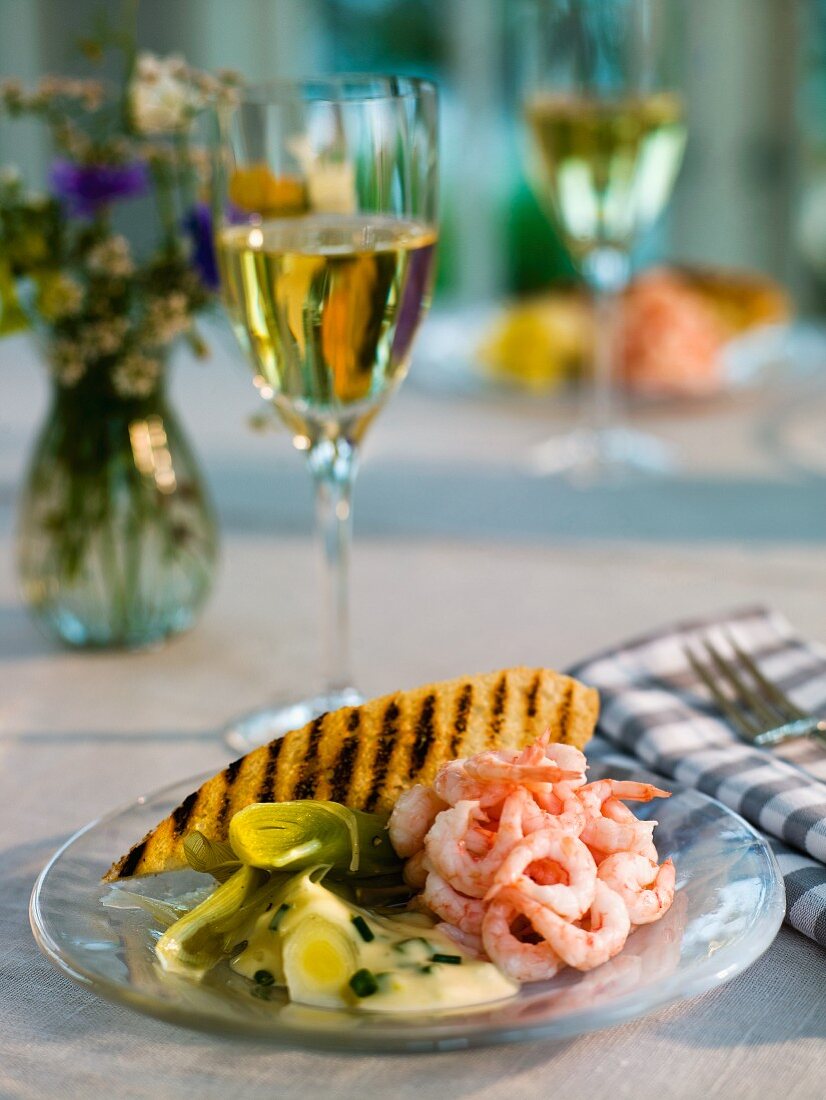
(88, 187)
(198, 223)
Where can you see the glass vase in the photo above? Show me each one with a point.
(117, 539)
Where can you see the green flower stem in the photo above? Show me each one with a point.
(185, 180)
(165, 203)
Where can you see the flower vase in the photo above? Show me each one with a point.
(117, 539)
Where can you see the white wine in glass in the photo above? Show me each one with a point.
(609, 165)
(329, 306)
(325, 197)
(607, 133)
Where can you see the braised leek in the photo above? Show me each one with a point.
(197, 941)
(297, 835)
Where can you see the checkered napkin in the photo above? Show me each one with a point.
(655, 708)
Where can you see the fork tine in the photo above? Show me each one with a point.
(737, 717)
(781, 702)
(745, 694)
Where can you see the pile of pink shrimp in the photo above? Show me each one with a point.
(528, 865)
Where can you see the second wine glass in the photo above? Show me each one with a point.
(325, 204)
(607, 135)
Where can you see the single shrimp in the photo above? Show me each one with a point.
(642, 842)
(618, 811)
(607, 837)
(612, 827)
(462, 912)
(563, 809)
(594, 795)
(452, 855)
(646, 889)
(498, 767)
(415, 870)
(582, 948)
(569, 758)
(447, 849)
(452, 784)
(523, 962)
(414, 813)
(567, 854)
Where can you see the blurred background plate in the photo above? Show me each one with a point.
(447, 362)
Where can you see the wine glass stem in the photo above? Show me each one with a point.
(606, 272)
(333, 466)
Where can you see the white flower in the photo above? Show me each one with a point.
(102, 338)
(111, 257)
(136, 375)
(162, 96)
(66, 360)
(167, 318)
(331, 183)
(60, 296)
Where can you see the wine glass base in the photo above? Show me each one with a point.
(260, 726)
(588, 456)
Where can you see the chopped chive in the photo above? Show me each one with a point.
(239, 947)
(454, 960)
(363, 928)
(277, 918)
(263, 977)
(426, 969)
(363, 983)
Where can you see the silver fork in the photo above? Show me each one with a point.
(759, 711)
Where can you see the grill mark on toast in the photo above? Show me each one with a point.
(130, 862)
(423, 736)
(497, 714)
(267, 788)
(460, 720)
(342, 770)
(564, 712)
(530, 697)
(182, 813)
(305, 786)
(387, 742)
(230, 774)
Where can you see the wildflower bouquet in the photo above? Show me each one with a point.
(116, 534)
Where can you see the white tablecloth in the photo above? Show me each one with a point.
(463, 564)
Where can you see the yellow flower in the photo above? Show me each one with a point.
(58, 296)
(256, 190)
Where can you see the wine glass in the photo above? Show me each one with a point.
(607, 133)
(325, 195)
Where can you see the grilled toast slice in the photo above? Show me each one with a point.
(365, 756)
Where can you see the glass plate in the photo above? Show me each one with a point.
(728, 908)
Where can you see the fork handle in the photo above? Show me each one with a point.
(803, 727)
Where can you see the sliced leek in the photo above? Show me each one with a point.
(318, 960)
(197, 941)
(296, 835)
(212, 857)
